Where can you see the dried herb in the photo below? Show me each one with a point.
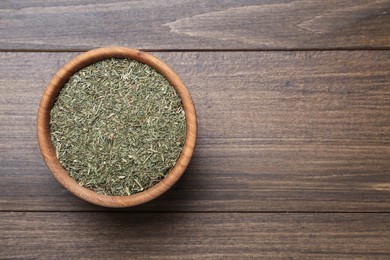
(118, 127)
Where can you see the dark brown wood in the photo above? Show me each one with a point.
(243, 24)
(278, 131)
(293, 150)
(188, 236)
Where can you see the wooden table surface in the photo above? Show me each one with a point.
(293, 154)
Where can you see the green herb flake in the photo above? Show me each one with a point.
(118, 127)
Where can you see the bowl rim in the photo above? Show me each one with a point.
(48, 152)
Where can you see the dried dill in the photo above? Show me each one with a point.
(118, 127)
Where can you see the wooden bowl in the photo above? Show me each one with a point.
(47, 149)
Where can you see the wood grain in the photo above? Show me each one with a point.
(161, 25)
(278, 131)
(188, 236)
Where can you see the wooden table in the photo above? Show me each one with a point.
(293, 154)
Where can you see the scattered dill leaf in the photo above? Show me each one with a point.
(118, 127)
